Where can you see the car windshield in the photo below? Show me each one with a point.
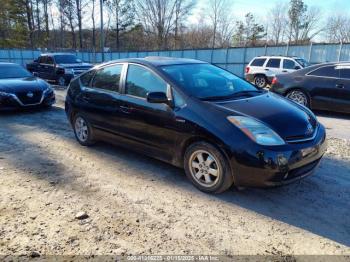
(66, 59)
(303, 62)
(208, 82)
(13, 71)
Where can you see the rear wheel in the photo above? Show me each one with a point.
(207, 168)
(260, 81)
(83, 131)
(299, 97)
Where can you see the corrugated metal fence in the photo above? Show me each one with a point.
(232, 59)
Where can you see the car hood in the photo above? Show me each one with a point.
(22, 84)
(76, 65)
(285, 117)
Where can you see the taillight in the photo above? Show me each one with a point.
(247, 69)
(274, 81)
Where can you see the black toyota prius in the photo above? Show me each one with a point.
(219, 128)
(19, 89)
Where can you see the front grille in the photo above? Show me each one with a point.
(27, 100)
(303, 138)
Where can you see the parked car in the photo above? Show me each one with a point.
(323, 86)
(20, 89)
(59, 68)
(218, 127)
(261, 70)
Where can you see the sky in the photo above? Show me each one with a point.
(260, 8)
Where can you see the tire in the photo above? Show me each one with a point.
(260, 81)
(83, 131)
(201, 173)
(299, 97)
(61, 81)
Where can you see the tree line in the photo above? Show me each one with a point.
(161, 24)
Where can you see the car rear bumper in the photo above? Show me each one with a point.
(274, 167)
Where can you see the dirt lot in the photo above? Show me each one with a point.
(137, 205)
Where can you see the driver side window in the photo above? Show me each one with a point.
(141, 81)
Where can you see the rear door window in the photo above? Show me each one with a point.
(326, 71)
(258, 62)
(274, 63)
(108, 78)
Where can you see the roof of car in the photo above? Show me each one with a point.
(157, 61)
(278, 56)
(53, 54)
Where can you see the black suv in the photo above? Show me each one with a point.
(59, 68)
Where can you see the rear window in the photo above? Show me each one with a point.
(258, 62)
(327, 71)
(273, 62)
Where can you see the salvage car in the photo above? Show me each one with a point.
(20, 89)
(221, 129)
(323, 86)
(58, 68)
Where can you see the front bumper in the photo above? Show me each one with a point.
(274, 166)
(12, 102)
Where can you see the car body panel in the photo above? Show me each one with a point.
(164, 131)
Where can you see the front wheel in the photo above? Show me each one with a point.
(299, 97)
(83, 131)
(61, 81)
(207, 168)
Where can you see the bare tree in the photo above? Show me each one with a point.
(93, 24)
(219, 16)
(338, 28)
(279, 22)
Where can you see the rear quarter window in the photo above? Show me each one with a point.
(258, 62)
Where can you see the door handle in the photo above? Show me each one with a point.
(339, 86)
(284, 71)
(266, 69)
(126, 109)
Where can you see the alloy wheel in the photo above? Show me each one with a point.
(204, 168)
(81, 129)
(260, 82)
(298, 97)
(61, 81)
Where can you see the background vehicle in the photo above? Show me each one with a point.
(323, 86)
(261, 70)
(59, 68)
(218, 127)
(20, 89)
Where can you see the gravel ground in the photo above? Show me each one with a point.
(60, 198)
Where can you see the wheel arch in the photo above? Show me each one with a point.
(207, 139)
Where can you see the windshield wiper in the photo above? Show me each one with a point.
(238, 94)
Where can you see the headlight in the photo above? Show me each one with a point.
(256, 131)
(4, 94)
(48, 89)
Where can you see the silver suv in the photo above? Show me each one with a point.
(262, 69)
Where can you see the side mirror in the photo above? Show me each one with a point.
(297, 67)
(157, 98)
(36, 60)
(35, 74)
